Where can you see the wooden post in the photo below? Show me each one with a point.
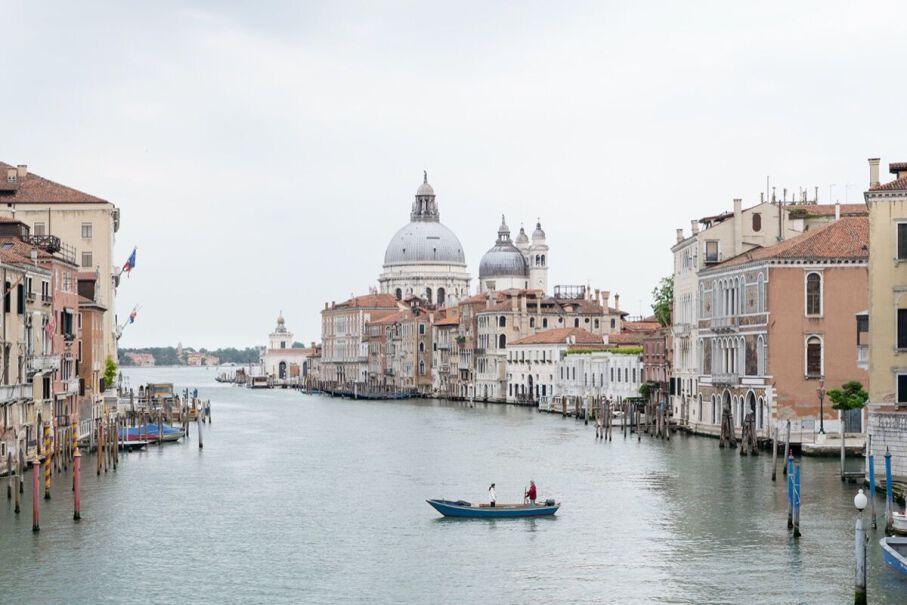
(774, 452)
(787, 447)
(859, 586)
(160, 427)
(790, 491)
(115, 436)
(842, 449)
(889, 509)
(36, 491)
(872, 487)
(48, 459)
(797, 500)
(201, 443)
(100, 448)
(21, 471)
(19, 478)
(77, 485)
(9, 475)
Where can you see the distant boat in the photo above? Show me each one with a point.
(895, 552)
(461, 508)
(150, 434)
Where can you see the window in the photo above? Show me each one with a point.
(813, 294)
(502, 341)
(544, 322)
(399, 294)
(595, 324)
(902, 241)
(757, 222)
(40, 229)
(86, 259)
(902, 328)
(421, 329)
(502, 322)
(813, 357)
(421, 368)
(531, 322)
(421, 347)
(902, 389)
(711, 251)
(86, 231)
(576, 322)
(613, 323)
(428, 294)
(760, 294)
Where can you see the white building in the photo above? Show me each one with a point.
(280, 357)
(519, 266)
(600, 374)
(532, 361)
(425, 258)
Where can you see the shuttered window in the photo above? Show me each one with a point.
(902, 241)
(902, 328)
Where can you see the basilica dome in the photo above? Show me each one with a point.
(504, 259)
(422, 242)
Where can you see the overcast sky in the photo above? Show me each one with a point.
(263, 154)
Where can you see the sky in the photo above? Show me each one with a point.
(263, 154)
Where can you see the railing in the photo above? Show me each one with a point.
(72, 387)
(43, 363)
(46, 299)
(682, 329)
(30, 296)
(444, 346)
(51, 243)
(724, 324)
(11, 392)
(726, 379)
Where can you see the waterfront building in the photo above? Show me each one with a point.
(615, 373)
(400, 348)
(86, 224)
(281, 361)
(515, 314)
(774, 322)
(444, 334)
(93, 358)
(139, 360)
(656, 357)
(463, 355)
(531, 362)
(344, 353)
(520, 266)
(882, 332)
(425, 258)
(712, 240)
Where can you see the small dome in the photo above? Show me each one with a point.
(538, 233)
(522, 238)
(425, 189)
(503, 260)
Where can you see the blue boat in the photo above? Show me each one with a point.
(895, 552)
(461, 508)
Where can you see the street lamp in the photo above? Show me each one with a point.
(821, 393)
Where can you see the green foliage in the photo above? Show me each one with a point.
(645, 390)
(628, 350)
(850, 396)
(663, 295)
(166, 356)
(110, 371)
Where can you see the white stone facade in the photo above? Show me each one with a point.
(599, 374)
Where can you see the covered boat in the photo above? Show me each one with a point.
(895, 552)
(462, 508)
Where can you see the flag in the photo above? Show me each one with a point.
(51, 326)
(130, 262)
(135, 310)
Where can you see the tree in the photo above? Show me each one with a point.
(110, 372)
(663, 295)
(850, 396)
(645, 390)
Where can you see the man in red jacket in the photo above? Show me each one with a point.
(531, 494)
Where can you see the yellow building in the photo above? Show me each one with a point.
(887, 322)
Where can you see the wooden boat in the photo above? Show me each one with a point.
(461, 508)
(895, 552)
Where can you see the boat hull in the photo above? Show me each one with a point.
(450, 508)
(893, 558)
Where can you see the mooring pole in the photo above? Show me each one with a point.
(77, 485)
(797, 502)
(872, 485)
(35, 494)
(859, 585)
(787, 446)
(889, 520)
(790, 491)
(774, 453)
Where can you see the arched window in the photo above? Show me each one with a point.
(421, 347)
(421, 368)
(701, 300)
(813, 294)
(442, 296)
(757, 222)
(502, 322)
(760, 356)
(544, 322)
(813, 357)
(576, 322)
(613, 323)
(543, 260)
(531, 322)
(502, 341)
(760, 296)
(428, 294)
(399, 294)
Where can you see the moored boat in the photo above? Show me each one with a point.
(899, 523)
(462, 508)
(894, 550)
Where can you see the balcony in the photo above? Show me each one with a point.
(46, 298)
(863, 357)
(444, 346)
(43, 363)
(72, 387)
(30, 296)
(681, 330)
(724, 324)
(729, 380)
(13, 392)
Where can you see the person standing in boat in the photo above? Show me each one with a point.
(491, 495)
(531, 493)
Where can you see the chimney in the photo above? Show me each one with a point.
(523, 305)
(325, 305)
(22, 170)
(598, 296)
(873, 172)
(837, 210)
(617, 301)
(605, 296)
(313, 345)
(694, 226)
(738, 226)
(679, 235)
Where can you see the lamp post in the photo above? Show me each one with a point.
(821, 393)
(859, 587)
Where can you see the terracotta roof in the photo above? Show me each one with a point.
(844, 239)
(371, 301)
(627, 338)
(389, 318)
(451, 319)
(641, 326)
(34, 189)
(897, 167)
(829, 209)
(560, 336)
(895, 185)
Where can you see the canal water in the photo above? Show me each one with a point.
(306, 499)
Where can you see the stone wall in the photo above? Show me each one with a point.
(889, 430)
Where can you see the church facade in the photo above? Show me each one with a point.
(515, 266)
(281, 361)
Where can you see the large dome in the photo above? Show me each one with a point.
(424, 242)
